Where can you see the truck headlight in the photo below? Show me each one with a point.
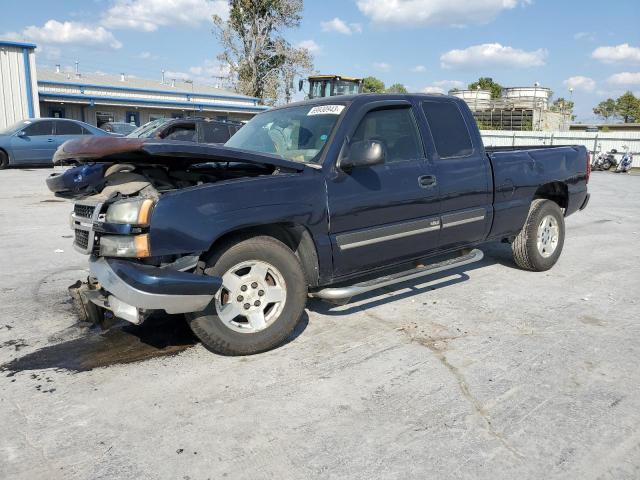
(136, 212)
(124, 246)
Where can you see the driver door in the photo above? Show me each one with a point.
(389, 213)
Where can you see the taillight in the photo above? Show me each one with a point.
(588, 165)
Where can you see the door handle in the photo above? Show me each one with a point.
(50, 140)
(427, 181)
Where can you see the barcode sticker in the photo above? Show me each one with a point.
(326, 110)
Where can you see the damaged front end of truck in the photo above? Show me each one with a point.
(116, 184)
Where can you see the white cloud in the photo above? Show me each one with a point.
(490, 55)
(340, 26)
(382, 66)
(149, 15)
(432, 12)
(419, 69)
(620, 53)
(310, 45)
(443, 86)
(581, 83)
(175, 75)
(147, 56)
(67, 33)
(584, 36)
(625, 78)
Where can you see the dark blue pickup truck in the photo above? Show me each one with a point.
(327, 198)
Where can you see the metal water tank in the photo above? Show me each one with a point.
(527, 97)
(476, 99)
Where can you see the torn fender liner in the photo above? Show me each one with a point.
(169, 153)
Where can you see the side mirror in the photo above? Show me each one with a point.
(300, 85)
(365, 153)
(21, 133)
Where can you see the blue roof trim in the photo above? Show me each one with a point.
(146, 90)
(27, 80)
(192, 106)
(9, 43)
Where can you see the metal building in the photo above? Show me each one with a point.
(100, 98)
(18, 88)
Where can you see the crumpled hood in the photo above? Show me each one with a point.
(169, 153)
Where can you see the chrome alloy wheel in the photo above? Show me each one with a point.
(548, 235)
(252, 296)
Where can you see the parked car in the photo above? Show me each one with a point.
(190, 129)
(328, 198)
(34, 141)
(118, 128)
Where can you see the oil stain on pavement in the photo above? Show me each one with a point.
(157, 337)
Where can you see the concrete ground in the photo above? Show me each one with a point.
(490, 372)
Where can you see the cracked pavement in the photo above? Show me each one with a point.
(484, 372)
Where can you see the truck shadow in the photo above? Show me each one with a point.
(495, 253)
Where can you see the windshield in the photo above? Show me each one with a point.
(345, 87)
(146, 129)
(14, 128)
(294, 133)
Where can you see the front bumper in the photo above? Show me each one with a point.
(133, 288)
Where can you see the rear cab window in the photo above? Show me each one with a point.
(449, 130)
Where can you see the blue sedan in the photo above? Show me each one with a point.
(34, 141)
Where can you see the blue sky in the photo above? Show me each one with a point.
(427, 45)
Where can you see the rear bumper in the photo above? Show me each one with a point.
(133, 288)
(585, 202)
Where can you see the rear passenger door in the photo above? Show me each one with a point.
(463, 174)
(66, 130)
(382, 214)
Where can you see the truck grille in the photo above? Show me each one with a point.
(85, 211)
(82, 220)
(82, 239)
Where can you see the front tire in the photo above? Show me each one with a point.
(261, 300)
(539, 244)
(4, 160)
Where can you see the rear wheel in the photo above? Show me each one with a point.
(4, 160)
(261, 300)
(539, 244)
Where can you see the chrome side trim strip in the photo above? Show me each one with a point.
(462, 222)
(385, 233)
(385, 238)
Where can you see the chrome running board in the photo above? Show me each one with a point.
(343, 294)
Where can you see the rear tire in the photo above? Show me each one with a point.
(252, 312)
(4, 160)
(539, 244)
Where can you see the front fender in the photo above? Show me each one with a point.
(191, 220)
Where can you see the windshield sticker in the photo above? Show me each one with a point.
(326, 110)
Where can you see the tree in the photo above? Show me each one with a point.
(628, 107)
(606, 109)
(561, 105)
(372, 85)
(298, 63)
(256, 54)
(397, 88)
(487, 83)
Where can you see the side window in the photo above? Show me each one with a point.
(215, 132)
(37, 129)
(185, 133)
(68, 128)
(448, 128)
(86, 132)
(396, 129)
